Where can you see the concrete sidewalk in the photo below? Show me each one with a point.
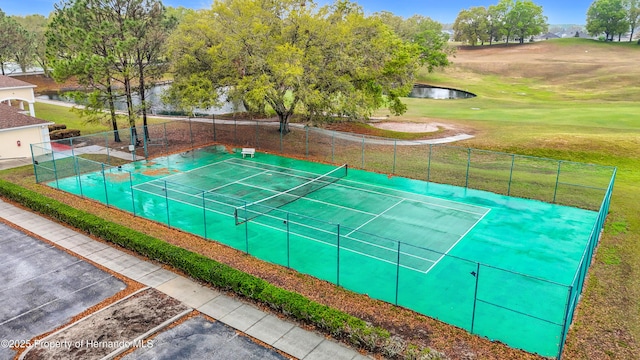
(244, 317)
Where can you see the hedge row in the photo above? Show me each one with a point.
(63, 134)
(333, 321)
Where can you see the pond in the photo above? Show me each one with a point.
(432, 92)
(154, 99)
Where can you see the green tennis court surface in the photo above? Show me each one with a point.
(497, 266)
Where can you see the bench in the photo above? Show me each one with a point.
(248, 151)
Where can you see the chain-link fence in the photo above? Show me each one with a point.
(480, 298)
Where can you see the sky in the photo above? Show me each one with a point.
(444, 11)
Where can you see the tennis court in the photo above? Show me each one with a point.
(474, 259)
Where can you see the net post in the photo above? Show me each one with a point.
(395, 147)
(204, 215)
(429, 163)
(166, 198)
(466, 181)
(398, 273)
(338, 256)
(104, 181)
(133, 200)
(475, 296)
(362, 167)
(513, 160)
(555, 191)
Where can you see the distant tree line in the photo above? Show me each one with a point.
(508, 20)
(22, 41)
(613, 18)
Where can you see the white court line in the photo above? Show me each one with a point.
(343, 180)
(375, 217)
(237, 181)
(310, 238)
(456, 243)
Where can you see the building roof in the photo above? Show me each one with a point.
(10, 118)
(9, 82)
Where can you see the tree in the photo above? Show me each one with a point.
(633, 15)
(608, 17)
(106, 42)
(523, 19)
(531, 20)
(36, 26)
(472, 25)
(423, 32)
(10, 33)
(79, 44)
(290, 55)
(496, 17)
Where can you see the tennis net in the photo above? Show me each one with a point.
(266, 205)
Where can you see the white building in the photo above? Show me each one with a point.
(17, 90)
(18, 131)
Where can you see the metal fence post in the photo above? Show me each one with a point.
(306, 140)
(145, 142)
(333, 136)
(363, 152)
(395, 142)
(398, 273)
(475, 296)
(106, 144)
(466, 182)
(513, 160)
(191, 133)
(55, 168)
(166, 142)
(77, 166)
(288, 244)
(204, 214)
(33, 161)
(104, 181)
(566, 324)
(133, 200)
(429, 164)
(213, 120)
(166, 197)
(257, 137)
(338, 257)
(555, 191)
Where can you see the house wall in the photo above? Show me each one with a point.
(25, 94)
(32, 135)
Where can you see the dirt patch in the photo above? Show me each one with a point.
(155, 172)
(104, 332)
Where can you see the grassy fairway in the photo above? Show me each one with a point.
(570, 99)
